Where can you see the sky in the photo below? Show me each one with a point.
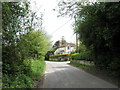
(55, 26)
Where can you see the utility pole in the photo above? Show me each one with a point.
(76, 43)
(76, 38)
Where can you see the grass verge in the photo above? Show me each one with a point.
(103, 74)
(30, 71)
(57, 60)
(38, 68)
(81, 65)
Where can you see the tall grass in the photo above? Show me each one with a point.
(38, 68)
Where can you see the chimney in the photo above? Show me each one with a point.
(60, 43)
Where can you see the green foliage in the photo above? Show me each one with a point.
(38, 68)
(82, 56)
(21, 43)
(81, 65)
(82, 47)
(47, 56)
(34, 45)
(22, 80)
(94, 23)
(114, 66)
(56, 44)
(11, 19)
(52, 50)
(98, 27)
(57, 60)
(75, 56)
(73, 52)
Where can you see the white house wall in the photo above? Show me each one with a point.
(66, 50)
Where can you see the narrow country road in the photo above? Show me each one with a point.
(62, 75)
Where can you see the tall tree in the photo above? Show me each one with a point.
(98, 27)
(12, 15)
(18, 22)
(33, 45)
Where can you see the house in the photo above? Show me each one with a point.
(65, 48)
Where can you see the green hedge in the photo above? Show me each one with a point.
(82, 56)
(30, 71)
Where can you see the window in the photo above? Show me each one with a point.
(68, 47)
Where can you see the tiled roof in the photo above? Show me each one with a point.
(67, 44)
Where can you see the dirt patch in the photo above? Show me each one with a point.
(103, 75)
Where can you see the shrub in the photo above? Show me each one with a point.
(82, 56)
(21, 81)
(114, 65)
(28, 72)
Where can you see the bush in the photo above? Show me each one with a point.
(114, 67)
(24, 78)
(21, 81)
(73, 52)
(82, 56)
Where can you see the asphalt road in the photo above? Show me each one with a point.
(62, 75)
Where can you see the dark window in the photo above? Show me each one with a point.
(68, 47)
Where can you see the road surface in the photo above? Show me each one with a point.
(62, 75)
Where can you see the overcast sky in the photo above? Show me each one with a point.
(56, 27)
